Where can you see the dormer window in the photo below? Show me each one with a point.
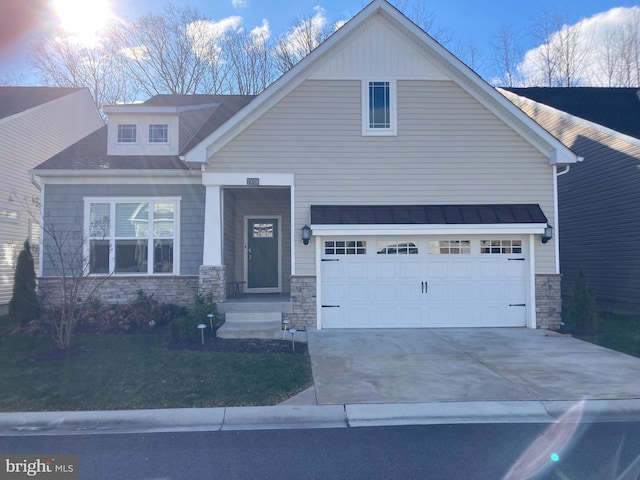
(158, 133)
(379, 107)
(127, 133)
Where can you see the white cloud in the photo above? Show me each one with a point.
(239, 3)
(261, 33)
(297, 41)
(595, 33)
(206, 35)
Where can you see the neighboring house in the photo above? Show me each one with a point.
(35, 124)
(599, 197)
(425, 194)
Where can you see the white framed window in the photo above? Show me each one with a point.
(158, 133)
(500, 246)
(127, 133)
(121, 242)
(379, 107)
(397, 248)
(449, 247)
(345, 247)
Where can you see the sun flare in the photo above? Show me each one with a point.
(83, 19)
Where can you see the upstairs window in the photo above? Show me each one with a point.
(379, 108)
(158, 133)
(127, 133)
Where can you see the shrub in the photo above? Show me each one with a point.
(582, 310)
(204, 304)
(184, 330)
(24, 305)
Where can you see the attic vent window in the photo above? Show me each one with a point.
(127, 133)
(158, 133)
(379, 108)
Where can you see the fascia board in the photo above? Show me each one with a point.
(476, 229)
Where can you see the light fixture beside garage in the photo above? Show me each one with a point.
(306, 234)
(548, 234)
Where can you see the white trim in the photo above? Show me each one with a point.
(240, 179)
(319, 241)
(292, 230)
(489, 229)
(212, 241)
(556, 230)
(120, 142)
(42, 234)
(118, 177)
(367, 131)
(531, 303)
(113, 201)
(247, 289)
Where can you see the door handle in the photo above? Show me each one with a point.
(249, 253)
(424, 287)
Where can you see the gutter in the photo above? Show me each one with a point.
(32, 179)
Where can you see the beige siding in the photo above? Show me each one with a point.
(26, 140)
(449, 149)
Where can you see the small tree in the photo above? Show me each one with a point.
(24, 305)
(582, 310)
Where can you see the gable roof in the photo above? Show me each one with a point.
(14, 100)
(614, 108)
(445, 60)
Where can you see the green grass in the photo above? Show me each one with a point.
(618, 332)
(136, 371)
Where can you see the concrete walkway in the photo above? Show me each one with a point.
(465, 365)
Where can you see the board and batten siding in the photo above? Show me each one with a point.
(449, 150)
(27, 139)
(65, 208)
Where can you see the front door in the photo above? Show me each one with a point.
(262, 258)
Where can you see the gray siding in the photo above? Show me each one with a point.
(449, 149)
(65, 210)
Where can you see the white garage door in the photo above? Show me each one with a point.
(423, 282)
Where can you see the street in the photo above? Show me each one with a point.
(487, 451)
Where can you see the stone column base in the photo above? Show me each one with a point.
(213, 279)
(548, 301)
(303, 300)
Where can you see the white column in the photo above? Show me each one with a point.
(212, 249)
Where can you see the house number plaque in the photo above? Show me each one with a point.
(253, 181)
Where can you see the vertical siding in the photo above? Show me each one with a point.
(65, 209)
(449, 149)
(26, 140)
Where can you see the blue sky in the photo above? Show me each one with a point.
(467, 21)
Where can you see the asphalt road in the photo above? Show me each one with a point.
(489, 451)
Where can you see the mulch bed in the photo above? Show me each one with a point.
(227, 345)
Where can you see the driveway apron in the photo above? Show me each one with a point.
(463, 365)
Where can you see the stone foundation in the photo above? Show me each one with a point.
(548, 301)
(213, 279)
(303, 300)
(123, 290)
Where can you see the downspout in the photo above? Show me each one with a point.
(556, 174)
(32, 178)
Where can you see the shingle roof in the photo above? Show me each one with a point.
(426, 214)
(614, 108)
(18, 99)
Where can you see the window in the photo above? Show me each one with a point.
(158, 133)
(500, 246)
(121, 240)
(393, 248)
(449, 247)
(127, 133)
(379, 108)
(345, 247)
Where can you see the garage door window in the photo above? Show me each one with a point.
(393, 248)
(450, 247)
(500, 246)
(345, 247)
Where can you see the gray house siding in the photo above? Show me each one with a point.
(65, 209)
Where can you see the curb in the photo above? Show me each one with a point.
(313, 416)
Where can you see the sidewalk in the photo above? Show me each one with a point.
(313, 416)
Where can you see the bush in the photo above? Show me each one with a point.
(184, 330)
(582, 310)
(24, 305)
(204, 305)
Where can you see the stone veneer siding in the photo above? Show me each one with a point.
(121, 290)
(303, 302)
(213, 280)
(548, 301)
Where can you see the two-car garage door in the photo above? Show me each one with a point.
(390, 282)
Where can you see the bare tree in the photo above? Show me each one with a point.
(249, 57)
(571, 50)
(506, 56)
(417, 12)
(545, 56)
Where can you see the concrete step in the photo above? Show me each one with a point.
(231, 306)
(269, 330)
(253, 317)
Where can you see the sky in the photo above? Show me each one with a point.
(466, 21)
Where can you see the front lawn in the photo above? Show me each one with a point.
(105, 372)
(617, 332)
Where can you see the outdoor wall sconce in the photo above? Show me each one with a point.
(306, 234)
(547, 235)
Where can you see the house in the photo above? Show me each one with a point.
(379, 183)
(599, 198)
(35, 124)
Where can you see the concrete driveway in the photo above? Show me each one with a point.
(465, 365)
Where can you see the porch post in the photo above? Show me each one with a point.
(212, 248)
